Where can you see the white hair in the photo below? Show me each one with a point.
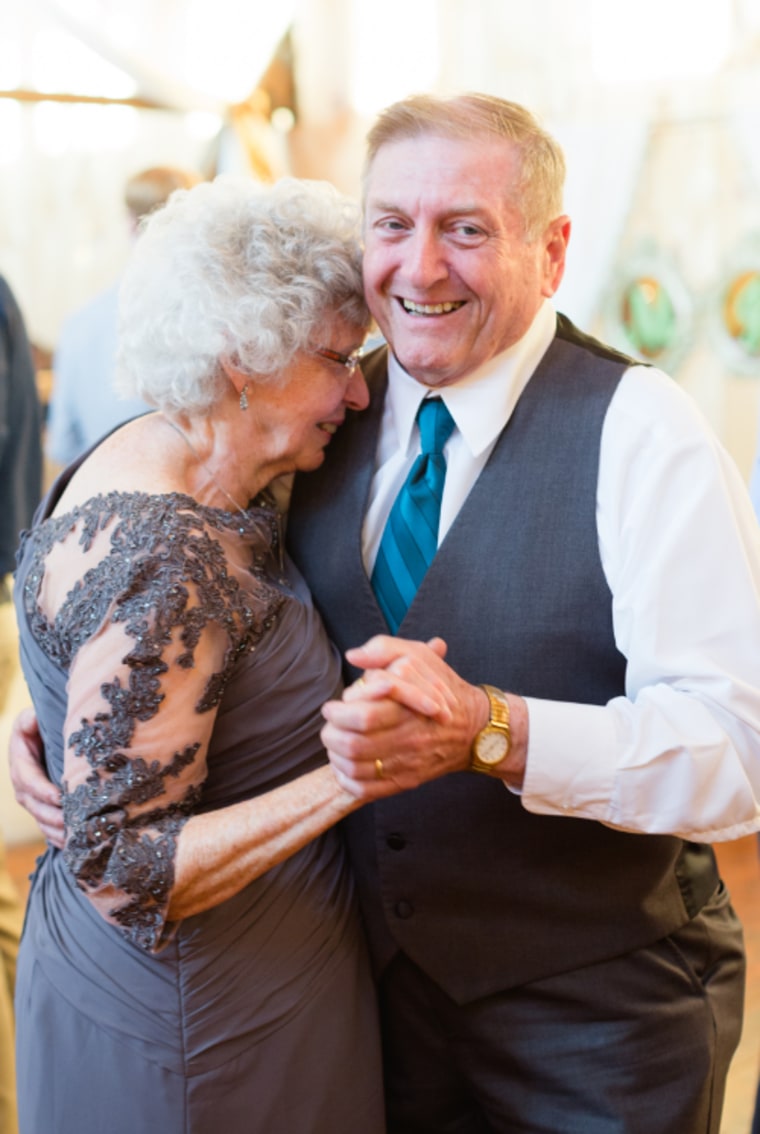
(235, 270)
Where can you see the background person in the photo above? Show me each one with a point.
(193, 957)
(754, 480)
(84, 405)
(20, 488)
(754, 491)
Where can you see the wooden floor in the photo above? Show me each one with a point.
(740, 867)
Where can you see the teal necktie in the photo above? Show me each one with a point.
(410, 538)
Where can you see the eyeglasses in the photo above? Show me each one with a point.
(350, 361)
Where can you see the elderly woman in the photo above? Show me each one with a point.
(192, 959)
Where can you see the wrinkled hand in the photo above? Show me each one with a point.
(408, 720)
(33, 790)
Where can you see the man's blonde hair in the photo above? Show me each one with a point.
(538, 192)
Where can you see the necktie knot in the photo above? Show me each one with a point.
(436, 425)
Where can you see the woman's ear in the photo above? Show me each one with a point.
(234, 375)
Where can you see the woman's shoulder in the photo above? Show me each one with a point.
(130, 556)
(126, 461)
(134, 519)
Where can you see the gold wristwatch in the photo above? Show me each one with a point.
(491, 745)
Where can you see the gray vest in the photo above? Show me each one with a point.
(480, 893)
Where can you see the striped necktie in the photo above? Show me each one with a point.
(410, 538)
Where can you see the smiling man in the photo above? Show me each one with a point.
(554, 948)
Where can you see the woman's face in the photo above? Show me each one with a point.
(296, 419)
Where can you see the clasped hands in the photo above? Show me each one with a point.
(409, 719)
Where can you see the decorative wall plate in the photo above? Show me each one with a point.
(734, 314)
(649, 312)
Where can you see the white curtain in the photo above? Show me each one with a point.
(604, 161)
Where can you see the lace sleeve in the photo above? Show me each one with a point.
(143, 691)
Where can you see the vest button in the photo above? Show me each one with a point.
(396, 842)
(404, 909)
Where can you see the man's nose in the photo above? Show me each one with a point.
(424, 261)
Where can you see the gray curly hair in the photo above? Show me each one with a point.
(239, 271)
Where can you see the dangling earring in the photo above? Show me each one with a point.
(244, 398)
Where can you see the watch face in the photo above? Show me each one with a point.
(492, 747)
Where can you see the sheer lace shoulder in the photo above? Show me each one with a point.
(161, 597)
(168, 537)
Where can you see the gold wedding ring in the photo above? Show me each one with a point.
(379, 770)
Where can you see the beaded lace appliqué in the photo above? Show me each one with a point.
(158, 544)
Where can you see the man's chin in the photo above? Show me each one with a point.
(428, 371)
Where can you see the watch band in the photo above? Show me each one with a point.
(499, 708)
(498, 726)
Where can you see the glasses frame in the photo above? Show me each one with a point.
(350, 361)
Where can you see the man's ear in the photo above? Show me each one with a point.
(556, 239)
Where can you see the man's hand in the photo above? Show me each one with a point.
(408, 720)
(33, 790)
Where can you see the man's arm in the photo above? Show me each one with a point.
(377, 745)
(679, 753)
(42, 799)
(33, 790)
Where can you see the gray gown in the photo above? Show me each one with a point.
(258, 1015)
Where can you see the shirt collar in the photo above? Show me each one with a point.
(482, 402)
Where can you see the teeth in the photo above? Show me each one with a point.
(329, 427)
(430, 308)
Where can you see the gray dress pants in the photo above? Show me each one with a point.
(639, 1044)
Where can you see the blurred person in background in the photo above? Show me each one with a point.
(754, 491)
(20, 488)
(83, 404)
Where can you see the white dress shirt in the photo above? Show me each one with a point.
(754, 478)
(680, 548)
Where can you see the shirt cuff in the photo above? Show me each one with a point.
(570, 768)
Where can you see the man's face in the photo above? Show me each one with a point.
(449, 275)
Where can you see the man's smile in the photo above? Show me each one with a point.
(430, 308)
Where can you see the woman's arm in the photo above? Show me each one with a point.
(220, 852)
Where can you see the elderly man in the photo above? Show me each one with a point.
(596, 567)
